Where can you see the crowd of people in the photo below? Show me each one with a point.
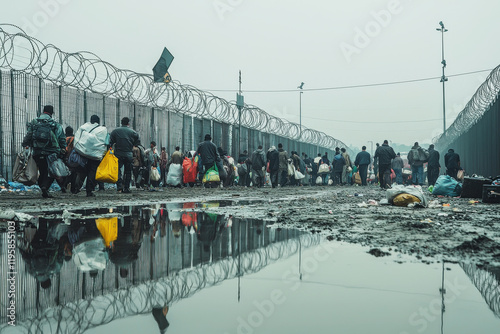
(150, 169)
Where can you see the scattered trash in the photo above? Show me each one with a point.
(473, 202)
(428, 220)
(431, 188)
(442, 214)
(330, 212)
(362, 205)
(384, 201)
(446, 205)
(358, 195)
(434, 204)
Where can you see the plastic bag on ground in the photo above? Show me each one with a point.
(447, 186)
(405, 199)
(412, 190)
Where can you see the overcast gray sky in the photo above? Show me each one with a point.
(279, 44)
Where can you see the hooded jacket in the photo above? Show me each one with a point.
(274, 159)
(283, 157)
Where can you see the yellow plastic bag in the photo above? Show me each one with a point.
(212, 175)
(405, 199)
(108, 168)
(108, 228)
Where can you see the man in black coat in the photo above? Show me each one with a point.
(273, 157)
(433, 165)
(384, 154)
(363, 160)
(452, 163)
(210, 157)
(124, 139)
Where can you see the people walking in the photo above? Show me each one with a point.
(362, 161)
(46, 137)
(93, 150)
(124, 139)
(258, 167)
(416, 158)
(283, 165)
(210, 157)
(345, 169)
(324, 176)
(452, 163)
(338, 165)
(384, 154)
(433, 165)
(274, 164)
(397, 166)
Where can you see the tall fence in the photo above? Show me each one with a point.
(79, 85)
(475, 134)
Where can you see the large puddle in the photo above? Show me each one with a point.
(119, 270)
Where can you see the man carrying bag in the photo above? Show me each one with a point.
(46, 137)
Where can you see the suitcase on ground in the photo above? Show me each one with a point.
(491, 193)
(472, 187)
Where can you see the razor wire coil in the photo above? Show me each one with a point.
(86, 71)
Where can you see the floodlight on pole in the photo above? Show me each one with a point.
(443, 77)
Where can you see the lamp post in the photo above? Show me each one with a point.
(443, 77)
(300, 109)
(240, 103)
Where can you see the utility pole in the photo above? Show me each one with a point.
(300, 110)
(443, 77)
(239, 103)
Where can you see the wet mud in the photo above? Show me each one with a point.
(454, 229)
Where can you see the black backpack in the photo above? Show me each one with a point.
(43, 136)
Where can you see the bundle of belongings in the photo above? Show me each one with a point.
(400, 195)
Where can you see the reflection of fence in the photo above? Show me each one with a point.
(475, 134)
(167, 270)
(79, 85)
(487, 283)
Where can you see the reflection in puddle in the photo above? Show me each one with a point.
(77, 273)
(108, 270)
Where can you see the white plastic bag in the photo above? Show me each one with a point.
(299, 175)
(91, 141)
(174, 176)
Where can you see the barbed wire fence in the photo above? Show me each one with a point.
(80, 84)
(487, 283)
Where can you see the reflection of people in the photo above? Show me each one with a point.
(125, 248)
(160, 315)
(44, 252)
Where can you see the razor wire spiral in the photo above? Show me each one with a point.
(487, 284)
(482, 100)
(86, 71)
(79, 316)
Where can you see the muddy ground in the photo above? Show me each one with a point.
(462, 230)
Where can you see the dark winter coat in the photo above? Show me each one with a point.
(208, 152)
(385, 154)
(433, 159)
(338, 163)
(274, 160)
(452, 160)
(258, 159)
(57, 143)
(362, 158)
(124, 139)
(417, 156)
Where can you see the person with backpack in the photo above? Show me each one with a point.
(258, 166)
(90, 142)
(338, 167)
(152, 162)
(46, 137)
(416, 158)
(124, 139)
(384, 155)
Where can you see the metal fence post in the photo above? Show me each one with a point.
(103, 110)
(60, 105)
(13, 119)
(85, 118)
(39, 97)
(117, 113)
(2, 148)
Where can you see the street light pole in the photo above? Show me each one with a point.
(443, 77)
(239, 104)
